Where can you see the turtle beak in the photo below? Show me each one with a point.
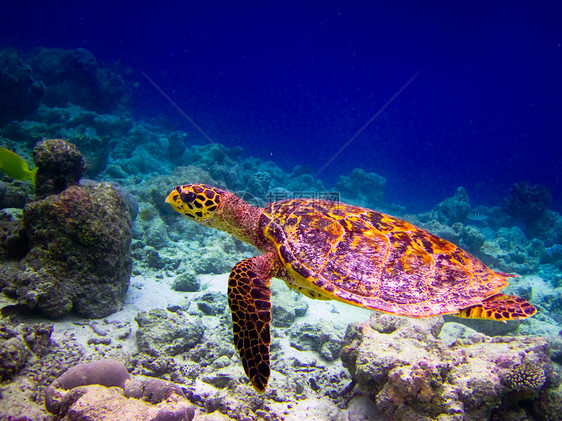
(171, 197)
(174, 200)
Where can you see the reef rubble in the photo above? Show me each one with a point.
(410, 373)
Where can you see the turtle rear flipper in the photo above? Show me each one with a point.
(250, 304)
(499, 307)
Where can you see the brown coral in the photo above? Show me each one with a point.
(79, 254)
(60, 164)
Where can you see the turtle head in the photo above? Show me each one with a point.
(197, 201)
(218, 209)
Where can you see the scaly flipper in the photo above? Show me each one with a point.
(249, 301)
(500, 307)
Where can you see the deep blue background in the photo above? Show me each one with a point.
(293, 81)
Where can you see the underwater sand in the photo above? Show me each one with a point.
(149, 293)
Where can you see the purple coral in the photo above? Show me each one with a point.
(105, 372)
(103, 389)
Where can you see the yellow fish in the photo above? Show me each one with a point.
(15, 167)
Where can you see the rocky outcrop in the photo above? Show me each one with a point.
(60, 166)
(526, 201)
(79, 254)
(411, 374)
(165, 333)
(21, 92)
(104, 390)
(457, 207)
(76, 76)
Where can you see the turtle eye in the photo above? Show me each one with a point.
(187, 197)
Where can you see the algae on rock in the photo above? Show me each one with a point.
(79, 255)
(411, 374)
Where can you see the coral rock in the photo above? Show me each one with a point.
(186, 282)
(79, 257)
(455, 208)
(60, 165)
(366, 188)
(525, 377)
(21, 93)
(321, 337)
(76, 76)
(526, 201)
(258, 184)
(164, 333)
(472, 239)
(105, 372)
(102, 390)
(13, 356)
(511, 251)
(411, 374)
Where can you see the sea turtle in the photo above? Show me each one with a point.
(330, 250)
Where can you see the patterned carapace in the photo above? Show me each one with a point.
(329, 250)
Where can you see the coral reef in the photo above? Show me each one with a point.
(186, 281)
(21, 92)
(472, 239)
(321, 337)
(511, 251)
(40, 361)
(18, 343)
(210, 372)
(164, 333)
(259, 183)
(526, 201)
(14, 195)
(362, 188)
(547, 228)
(496, 240)
(13, 240)
(102, 390)
(553, 253)
(76, 76)
(69, 235)
(60, 166)
(106, 373)
(455, 208)
(411, 374)
(286, 308)
(525, 376)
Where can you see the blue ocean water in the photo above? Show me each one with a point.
(295, 81)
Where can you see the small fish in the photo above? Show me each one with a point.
(15, 167)
(477, 216)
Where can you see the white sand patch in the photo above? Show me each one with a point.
(148, 293)
(334, 311)
(144, 294)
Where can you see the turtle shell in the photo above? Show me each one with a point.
(373, 260)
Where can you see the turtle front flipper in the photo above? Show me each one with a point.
(499, 307)
(250, 304)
